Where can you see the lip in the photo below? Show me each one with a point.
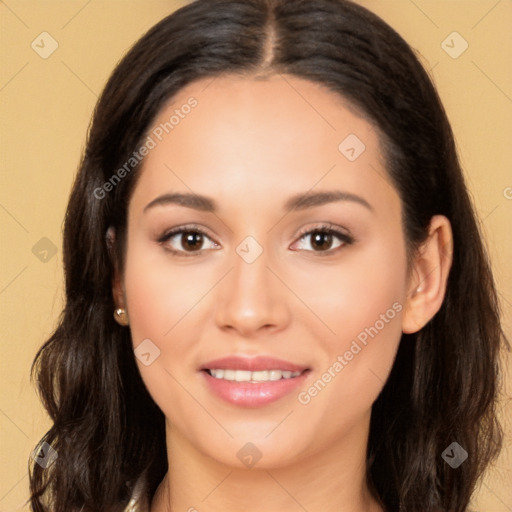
(246, 394)
(253, 395)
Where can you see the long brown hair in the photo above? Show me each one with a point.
(443, 387)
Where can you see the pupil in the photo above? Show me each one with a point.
(192, 240)
(320, 240)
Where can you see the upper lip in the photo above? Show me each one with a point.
(253, 364)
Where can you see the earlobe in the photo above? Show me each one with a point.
(429, 276)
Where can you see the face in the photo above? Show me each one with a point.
(288, 275)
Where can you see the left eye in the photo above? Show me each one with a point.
(323, 240)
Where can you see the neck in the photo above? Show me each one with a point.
(331, 481)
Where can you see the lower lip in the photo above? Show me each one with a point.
(247, 394)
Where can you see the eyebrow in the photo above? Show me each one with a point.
(301, 201)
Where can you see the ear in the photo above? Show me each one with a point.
(429, 276)
(117, 288)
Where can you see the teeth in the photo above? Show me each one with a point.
(242, 376)
(247, 376)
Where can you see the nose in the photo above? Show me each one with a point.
(251, 299)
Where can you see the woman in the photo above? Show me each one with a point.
(277, 296)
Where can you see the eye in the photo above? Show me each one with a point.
(189, 239)
(323, 239)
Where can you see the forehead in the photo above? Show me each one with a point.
(253, 138)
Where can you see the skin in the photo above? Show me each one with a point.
(250, 144)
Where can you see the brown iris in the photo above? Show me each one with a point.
(191, 240)
(321, 240)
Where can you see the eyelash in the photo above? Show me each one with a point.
(323, 228)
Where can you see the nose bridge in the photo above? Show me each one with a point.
(251, 296)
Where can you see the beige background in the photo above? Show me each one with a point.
(46, 106)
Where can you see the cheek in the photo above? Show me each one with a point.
(168, 303)
(361, 302)
(158, 297)
(352, 295)
(160, 292)
(161, 300)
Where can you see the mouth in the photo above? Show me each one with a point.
(252, 377)
(252, 382)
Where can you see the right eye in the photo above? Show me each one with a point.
(187, 241)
